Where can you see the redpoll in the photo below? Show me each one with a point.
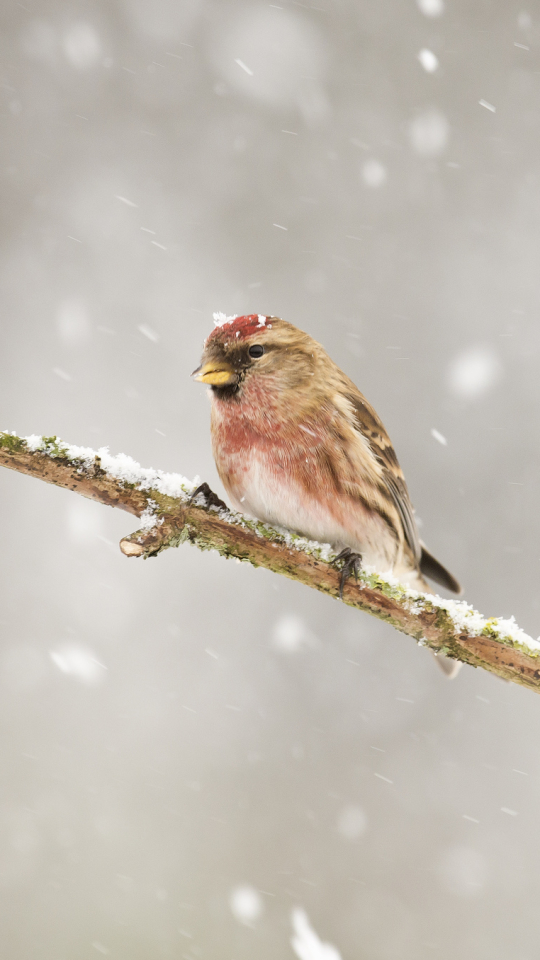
(297, 445)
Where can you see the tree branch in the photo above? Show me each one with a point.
(173, 512)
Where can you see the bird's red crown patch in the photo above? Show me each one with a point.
(238, 327)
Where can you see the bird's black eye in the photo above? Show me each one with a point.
(256, 351)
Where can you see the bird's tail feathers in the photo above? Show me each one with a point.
(435, 571)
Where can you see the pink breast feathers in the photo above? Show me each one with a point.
(277, 475)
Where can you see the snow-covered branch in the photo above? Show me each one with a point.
(171, 515)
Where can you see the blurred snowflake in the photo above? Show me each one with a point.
(291, 634)
(352, 822)
(374, 173)
(462, 871)
(246, 904)
(306, 944)
(78, 662)
(429, 133)
(474, 372)
(81, 45)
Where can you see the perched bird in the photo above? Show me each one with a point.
(297, 445)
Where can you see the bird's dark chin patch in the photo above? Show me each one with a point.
(229, 392)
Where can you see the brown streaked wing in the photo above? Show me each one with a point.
(370, 426)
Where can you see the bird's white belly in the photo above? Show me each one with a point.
(262, 493)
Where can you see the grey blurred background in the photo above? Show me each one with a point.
(191, 749)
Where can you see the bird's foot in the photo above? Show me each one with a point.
(351, 564)
(211, 498)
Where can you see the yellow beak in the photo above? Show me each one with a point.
(216, 374)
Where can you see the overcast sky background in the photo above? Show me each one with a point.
(192, 749)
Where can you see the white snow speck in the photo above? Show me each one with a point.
(431, 8)
(84, 520)
(81, 45)
(374, 173)
(72, 322)
(428, 60)
(125, 200)
(79, 663)
(291, 634)
(439, 437)
(473, 372)
(220, 319)
(100, 948)
(306, 943)
(429, 133)
(243, 66)
(352, 822)
(262, 320)
(62, 373)
(148, 332)
(246, 904)
(511, 813)
(380, 777)
(462, 871)
(488, 106)
(279, 226)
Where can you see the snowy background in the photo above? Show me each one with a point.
(196, 755)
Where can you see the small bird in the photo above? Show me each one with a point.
(296, 444)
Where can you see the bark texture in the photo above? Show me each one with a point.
(168, 521)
